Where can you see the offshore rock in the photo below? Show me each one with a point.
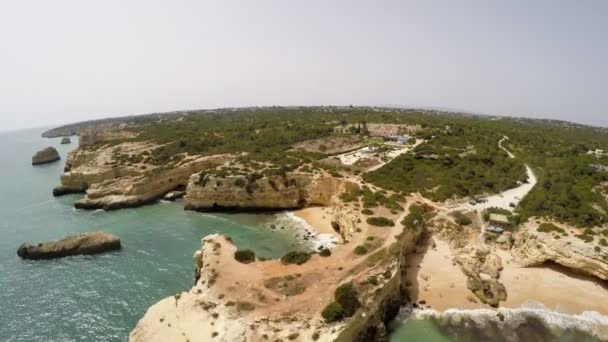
(85, 243)
(66, 140)
(48, 155)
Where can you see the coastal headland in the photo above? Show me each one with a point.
(427, 210)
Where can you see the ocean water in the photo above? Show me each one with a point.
(99, 298)
(526, 324)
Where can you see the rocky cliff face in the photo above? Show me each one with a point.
(48, 155)
(208, 192)
(534, 248)
(125, 190)
(90, 137)
(231, 301)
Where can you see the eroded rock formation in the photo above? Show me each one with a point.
(48, 155)
(208, 192)
(86, 243)
(533, 248)
(238, 302)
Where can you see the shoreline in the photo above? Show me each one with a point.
(442, 285)
(438, 281)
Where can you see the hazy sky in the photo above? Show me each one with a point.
(63, 61)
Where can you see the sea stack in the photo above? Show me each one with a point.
(48, 155)
(66, 140)
(85, 243)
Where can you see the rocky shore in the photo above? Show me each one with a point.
(85, 243)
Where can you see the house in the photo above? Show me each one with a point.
(498, 223)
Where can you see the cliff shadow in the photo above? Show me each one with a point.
(412, 267)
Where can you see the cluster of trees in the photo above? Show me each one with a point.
(464, 161)
(460, 159)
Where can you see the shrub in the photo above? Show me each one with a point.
(548, 228)
(240, 182)
(461, 218)
(346, 296)
(325, 252)
(360, 250)
(294, 257)
(380, 222)
(367, 212)
(333, 312)
(244, 256)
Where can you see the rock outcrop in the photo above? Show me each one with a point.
(137, 190)
(48, 155)
(174, 195)
(231, 301)
(290, 191)
(533, 248)
(482, 268)
(66, 140)
(86, 243)
(90, 137)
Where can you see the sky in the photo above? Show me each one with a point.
(63, 61)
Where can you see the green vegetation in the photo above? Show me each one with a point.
(418, 217)
(297, 258)
(333, 312)
(367, 212)
(549, 228)
(325, 252)
(346, 295)
(244, 256)
(459, 158)
(464, 161)
(461, 218)
(380, 222)
(345, 304)
(360, 250)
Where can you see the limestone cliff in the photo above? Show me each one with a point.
(231, 301)
(535, 248)
(207, 192)
(134, 190)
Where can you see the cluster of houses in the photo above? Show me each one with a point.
(388, 132)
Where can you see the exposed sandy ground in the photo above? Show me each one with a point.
(555, 287)
(438, 281)
(443, 286)
(319, 218)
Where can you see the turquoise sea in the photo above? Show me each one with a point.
(100, 298)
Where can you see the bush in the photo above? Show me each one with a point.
(461, 218)
(360, 250)
(297, 258)
(244, 256)
(548, 228)
(346, 296)
(380, 222)
(325, 252)
(333, 312)
(367, 212)
(240, 182)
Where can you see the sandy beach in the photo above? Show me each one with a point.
(319, 218)
(442, 285)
